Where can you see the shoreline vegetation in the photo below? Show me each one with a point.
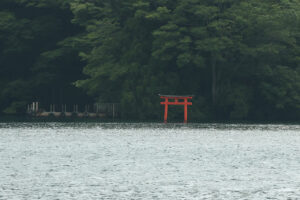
(239, 58)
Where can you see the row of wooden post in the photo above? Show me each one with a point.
(75, 108)
(35, 108)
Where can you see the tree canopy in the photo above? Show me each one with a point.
(239, 58)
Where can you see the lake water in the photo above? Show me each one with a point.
(149, 161)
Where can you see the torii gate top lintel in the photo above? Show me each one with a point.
(176, 96)
(175, 101)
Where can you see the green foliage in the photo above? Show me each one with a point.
(34, 59)
(240, 58)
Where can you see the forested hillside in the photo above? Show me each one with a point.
(240, 58)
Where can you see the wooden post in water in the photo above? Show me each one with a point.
(33, 106)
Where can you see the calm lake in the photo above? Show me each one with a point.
(149, 161)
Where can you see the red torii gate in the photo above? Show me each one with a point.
(176, 100)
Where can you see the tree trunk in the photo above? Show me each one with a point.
(214, 80)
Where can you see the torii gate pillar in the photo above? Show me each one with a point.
(176, 100)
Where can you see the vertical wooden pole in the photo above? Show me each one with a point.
(185, 110)
(113, 111)
(166, 109)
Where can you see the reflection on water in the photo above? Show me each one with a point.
(149, 161)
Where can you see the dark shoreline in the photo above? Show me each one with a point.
(29, 119)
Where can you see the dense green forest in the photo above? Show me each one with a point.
(240, 58)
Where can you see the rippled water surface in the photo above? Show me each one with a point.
(149, 161)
